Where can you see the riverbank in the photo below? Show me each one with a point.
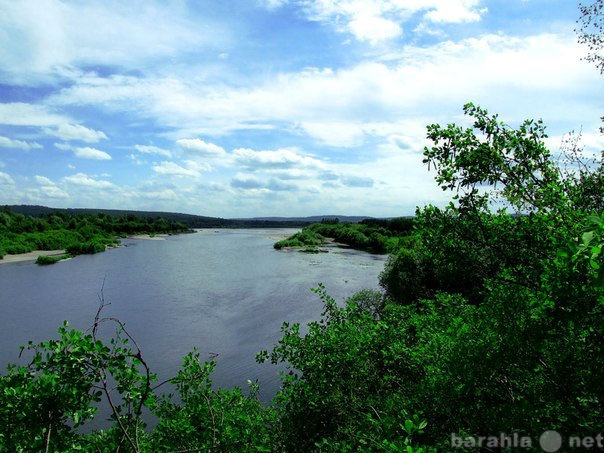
(148, 237)
(31, 256)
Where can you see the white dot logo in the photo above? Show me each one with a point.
(550, 441)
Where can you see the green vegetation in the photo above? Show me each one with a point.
(77, 234)
(43, 259)
(305, 238)
(373, 235)
(489, 325)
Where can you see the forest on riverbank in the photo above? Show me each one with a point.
(76, 234)
(488, 328)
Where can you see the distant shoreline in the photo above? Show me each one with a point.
(33, 256)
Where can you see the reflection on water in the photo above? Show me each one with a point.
(226, 292)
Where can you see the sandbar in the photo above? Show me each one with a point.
(31, 256)
(147, 237)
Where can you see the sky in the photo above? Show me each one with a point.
(245, 108)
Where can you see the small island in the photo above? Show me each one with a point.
(372, 235)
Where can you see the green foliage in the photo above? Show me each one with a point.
(205, 420)
(77, 234)
(338, 394)
(44, 260)
(304, 238)
(44, 403)
(373, 235)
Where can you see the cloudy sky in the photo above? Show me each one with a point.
(240, 108)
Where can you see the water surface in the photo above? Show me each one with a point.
(226, 292)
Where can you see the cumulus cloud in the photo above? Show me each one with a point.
(172, 168)
(6, 180)
(148, 149)
(6, 142)
(54, 192)
(78, 132)
(251, 182)
(63, 146)
(200, 147)
(377, 21)
(340, 107)
(48, 188)
(275, 159)
(91, 153)
(164, 195)
(374, 29)
(241, 181)
(83, 180)
(43, 181)
(23, 114)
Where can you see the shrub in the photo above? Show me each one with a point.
(43, 259)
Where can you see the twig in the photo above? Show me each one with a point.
(48, 434)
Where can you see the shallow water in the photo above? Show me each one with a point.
(226, 292)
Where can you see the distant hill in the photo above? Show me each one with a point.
(192, 221)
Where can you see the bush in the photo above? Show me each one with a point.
(83, 248)
(44, 260)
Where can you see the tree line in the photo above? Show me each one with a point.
(76, 234)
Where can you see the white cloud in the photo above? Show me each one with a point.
(339, 107)
(6, 180)
(105, 33)
(374, 29)
(68, 132)
(251, 182)
(43, 181)
(54, 192)
(379, 20)
(275, 159)
(243, 181)
(23, 114)
(165, 195)
(456, 11)
(82, 179)
(172, 168)
(339, 134)
(91, 153)
(148, 149)
(200, 147)
(6, 142)
(48, 188)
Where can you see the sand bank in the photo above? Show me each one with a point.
(147, 237)
(31, 256)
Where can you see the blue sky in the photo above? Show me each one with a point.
(270, 107)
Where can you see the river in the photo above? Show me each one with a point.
(226, 292)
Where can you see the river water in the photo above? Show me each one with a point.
(226, 292)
